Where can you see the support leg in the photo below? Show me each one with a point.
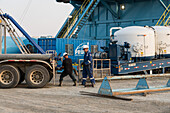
(105, 88)
(168, 83)
(142, 84)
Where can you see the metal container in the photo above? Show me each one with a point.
(10, 46)
(142, 40)
(162, 40)
(59, 46)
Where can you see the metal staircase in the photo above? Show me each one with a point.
(14, 35)
(66, 24)
(73, 25)
(165, 18)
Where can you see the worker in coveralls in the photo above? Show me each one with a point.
(68, 69)
(87, 66)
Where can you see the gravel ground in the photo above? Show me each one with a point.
(54, 99)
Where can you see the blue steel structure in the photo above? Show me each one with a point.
(142, 86)
(109, 13)
(23, 32)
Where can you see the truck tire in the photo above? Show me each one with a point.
(9, 76)
(37, 76)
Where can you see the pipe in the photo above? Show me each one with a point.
(5, 39)
(163, 4)
(113, 28)
(137, 76)
(25, 56)
(142, 91)
(0, 38)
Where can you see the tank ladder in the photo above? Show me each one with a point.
(164, 19)
(73, 25)
(14, 35)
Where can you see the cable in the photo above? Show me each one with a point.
(25, 11)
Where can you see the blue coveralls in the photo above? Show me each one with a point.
(87, 68)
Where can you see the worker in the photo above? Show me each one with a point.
(68, 69)
(87, 66)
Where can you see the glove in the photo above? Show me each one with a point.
(82, 63)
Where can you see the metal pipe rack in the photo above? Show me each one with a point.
(142, 86)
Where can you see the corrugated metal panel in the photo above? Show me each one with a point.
(47, 43)
(59, 46)
(78, 52)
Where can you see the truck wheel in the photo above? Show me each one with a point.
(37, 76)
(9, 76)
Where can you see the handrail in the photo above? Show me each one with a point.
(164, 15)
(77, 14)
(82, 16)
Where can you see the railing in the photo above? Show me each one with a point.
(75, 17)
(101, 68)
(163, 19)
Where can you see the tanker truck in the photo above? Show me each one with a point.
(138, 50)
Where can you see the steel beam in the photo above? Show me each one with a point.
(5, 39)
(141, 91)
(137, 76)
(109, 8)
(163, 4)
(142, 86)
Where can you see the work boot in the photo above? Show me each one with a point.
(60, 84)
(75, 83)
(92, 84)
(85, 85)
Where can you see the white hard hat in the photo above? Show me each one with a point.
(85, 47)
(64, 54)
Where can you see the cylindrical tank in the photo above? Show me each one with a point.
(162, 40)
(99, 55)
(10, 46)
(141, 39)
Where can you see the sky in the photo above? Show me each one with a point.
(38, 17)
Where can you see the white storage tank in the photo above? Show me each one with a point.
(141, 39)
(162, 40)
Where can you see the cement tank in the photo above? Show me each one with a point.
(142, 41)
(162, 40)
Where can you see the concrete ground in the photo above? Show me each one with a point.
(67, 99)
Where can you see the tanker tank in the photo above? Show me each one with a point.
(141, 39)
(162, 40)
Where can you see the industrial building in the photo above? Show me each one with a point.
(93, 19)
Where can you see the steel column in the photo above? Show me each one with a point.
(5, 39)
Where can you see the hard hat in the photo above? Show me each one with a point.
(64, 54)
(85, 47)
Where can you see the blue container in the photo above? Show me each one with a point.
(59, 46)
(10, 46)
(47, 43)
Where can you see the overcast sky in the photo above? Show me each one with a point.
(37, 17)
